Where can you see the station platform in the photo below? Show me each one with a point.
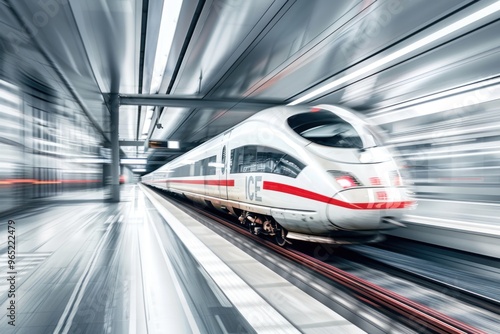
(143, 266)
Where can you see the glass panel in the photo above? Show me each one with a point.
(263, 159)
(328, 129)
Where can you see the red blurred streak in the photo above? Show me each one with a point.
(226, 183)
(33, 181)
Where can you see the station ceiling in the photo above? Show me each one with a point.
(369, 55)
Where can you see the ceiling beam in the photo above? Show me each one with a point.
(156, 162)
(131, 142)
(168, 152)
(165, 100)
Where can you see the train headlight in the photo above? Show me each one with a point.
(344, 179)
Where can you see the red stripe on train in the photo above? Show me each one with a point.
(287, 189)
(225, 183)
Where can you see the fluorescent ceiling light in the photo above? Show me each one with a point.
(147, 122)
(169, 17)
(10, 97)
(9, 110)
(139, 170)
(90, 161)
(430, 155)
(127, 161)
(446, 93)
(6, 166)
(462, 23)
(453, 102)
(173, 144)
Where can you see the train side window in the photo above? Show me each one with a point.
(249, 159)
(289, 166)
(197, 168)
(181, 171)
(211, 165)
(237, 160)
(267, 158)
(263, 159)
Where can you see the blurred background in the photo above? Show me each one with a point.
(95, 94)
(426, 73)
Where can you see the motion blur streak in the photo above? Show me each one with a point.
(450, 144)
(452, 153)
(460, 24)
(48, 148)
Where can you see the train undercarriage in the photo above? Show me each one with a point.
(264, 225)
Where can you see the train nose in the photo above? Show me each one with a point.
(368, 208)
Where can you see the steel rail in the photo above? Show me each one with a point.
(417, 312)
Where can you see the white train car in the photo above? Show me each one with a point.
(318, 174)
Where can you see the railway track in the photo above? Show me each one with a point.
(414, 315)
(464, 291)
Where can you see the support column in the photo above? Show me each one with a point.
(114, 104)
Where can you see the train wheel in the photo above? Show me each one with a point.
(280, 235)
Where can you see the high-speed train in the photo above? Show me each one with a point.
(318, 174)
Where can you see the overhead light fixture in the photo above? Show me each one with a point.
(10, 97)
(173, 144)
(169, 17)
(147, 121)
(90, 161)
(432, 97)
(451, 102)
(139, 170)
(131, 161)
(462, 23)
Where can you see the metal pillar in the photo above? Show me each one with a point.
(114, 104)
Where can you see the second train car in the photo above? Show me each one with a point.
(319, 174)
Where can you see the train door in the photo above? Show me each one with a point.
(224, 171)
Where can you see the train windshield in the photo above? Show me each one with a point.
(328, 129)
